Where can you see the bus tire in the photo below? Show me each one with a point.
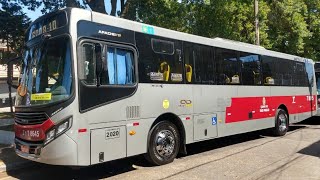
(282, 123)
(163, 143)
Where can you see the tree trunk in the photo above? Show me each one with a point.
(97, 5)
(125, 9)
(10, 99)
(113, 7)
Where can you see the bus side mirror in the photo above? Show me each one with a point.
(99, 62)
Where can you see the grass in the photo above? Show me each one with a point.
(6, 115)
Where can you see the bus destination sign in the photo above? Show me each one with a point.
(47, 24)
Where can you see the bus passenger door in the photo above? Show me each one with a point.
(199, 70)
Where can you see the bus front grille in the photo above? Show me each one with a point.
(30, 118)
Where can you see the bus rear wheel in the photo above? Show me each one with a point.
(164, 143)
(282, 123)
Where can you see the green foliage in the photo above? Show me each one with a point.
(288, 28)
(13, 23)
(312, 47)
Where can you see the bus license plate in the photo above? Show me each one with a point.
(24, 149)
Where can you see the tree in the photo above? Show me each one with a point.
(312, 47)
(287, 26)
(13, 23)
(95, 5)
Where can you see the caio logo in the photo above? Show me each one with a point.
(185, 103)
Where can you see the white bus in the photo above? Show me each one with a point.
(96, 88)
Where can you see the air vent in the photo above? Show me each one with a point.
(30, 118)
(133, 112)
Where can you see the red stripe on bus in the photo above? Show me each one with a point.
(251, 108)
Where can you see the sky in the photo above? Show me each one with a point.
(33, 15)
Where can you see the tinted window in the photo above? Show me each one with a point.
(284, 70)
(269, 70)
(199, 65)
(87, 67)
(300, 75)
(228, 67)
(162, 47)
(250, 69)
(158, 62)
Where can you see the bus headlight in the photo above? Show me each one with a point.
(50, 135)
(62, 127)
(57, 130)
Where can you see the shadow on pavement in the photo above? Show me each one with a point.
(110, 169)
(312, 150)
(105, 170)
(114, 168)
(311, 121)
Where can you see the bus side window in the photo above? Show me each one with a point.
(228, 67)
(199, 65)
(190, 71)
(119, 67)
(250, 69)
(160, 59)
(87, 69)
(268, 70)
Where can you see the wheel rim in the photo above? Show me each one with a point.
(165, 143)
(282, 122)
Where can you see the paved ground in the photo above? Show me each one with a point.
(248, 156)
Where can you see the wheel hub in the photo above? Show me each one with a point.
(165, 143)
(282, 122)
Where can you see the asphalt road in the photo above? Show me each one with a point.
(248, 156)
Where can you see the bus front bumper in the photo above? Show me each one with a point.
(61, 151)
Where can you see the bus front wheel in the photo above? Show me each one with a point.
(282, 123)
(164, 143)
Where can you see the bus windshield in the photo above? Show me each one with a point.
(46, 75)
